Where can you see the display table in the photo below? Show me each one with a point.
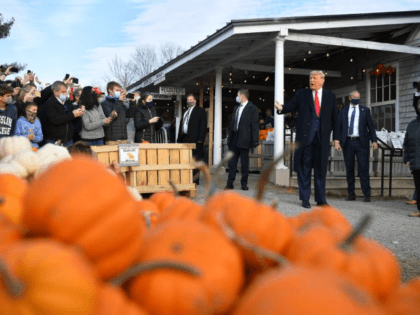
(158, 163)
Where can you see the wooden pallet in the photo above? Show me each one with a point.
(158, 164)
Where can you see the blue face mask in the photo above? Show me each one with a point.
(63, 97)
(355, 101)
(238, 100)
(149, 104)
(117, 94)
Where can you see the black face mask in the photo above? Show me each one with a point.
(262, 126)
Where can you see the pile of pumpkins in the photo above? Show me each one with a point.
(75, 241)
(264, 133)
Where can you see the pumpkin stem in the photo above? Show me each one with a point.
(13, 286)
(205, 169)
(359, 228)
(176, 191)
(266, 173)
(275, 203)
(152, 266)
(216, 174)
(146, 215)
(257, 250)
(2, 200)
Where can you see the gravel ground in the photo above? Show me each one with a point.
(390, 226)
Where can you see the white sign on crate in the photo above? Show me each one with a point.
(167, 90)
(129, 154)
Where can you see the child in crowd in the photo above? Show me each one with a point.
(29, 125)
(8, 112)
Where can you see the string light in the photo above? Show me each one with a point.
(230, 91)
(364, 70)
(267, 78)
(244, 81)
(328, 54)
(290, 69)
(351, 78)
(309, 52)
(304, 59)
(253, 76)
(351, 59)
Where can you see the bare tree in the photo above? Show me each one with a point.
(145, 60)
(5, 27)
(123, 72)
(169, 51)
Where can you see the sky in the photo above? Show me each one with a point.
(80, 37)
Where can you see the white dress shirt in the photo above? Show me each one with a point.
(356, 120)
(319, 96)
(241, 109)
(187, 119)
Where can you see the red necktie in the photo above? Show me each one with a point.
(317, 107)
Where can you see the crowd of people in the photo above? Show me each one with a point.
(64, 113)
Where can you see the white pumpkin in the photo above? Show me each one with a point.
(14, 168)
(28, 159)
(51, 154)
(12, 145)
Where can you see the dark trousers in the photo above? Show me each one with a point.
(351, 149)
(416, 176)
(233, 163)
(311, 158)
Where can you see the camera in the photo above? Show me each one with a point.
(75, 81)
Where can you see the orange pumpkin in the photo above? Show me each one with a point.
(9, 232)
(12, 190)
(405, 300)
(112, 301)
(168, 291)
(45, 277)
(254, 222)
(182, 209)
(79, 202)
(300, 290)
(367, 263)
(149, 213)
(163, 199)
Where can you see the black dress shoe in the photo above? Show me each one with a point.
(322, 204)
(306, 204)
(244, 187)
(350, 198)
(367, 199)
(229, 187)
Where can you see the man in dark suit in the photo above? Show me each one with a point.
(243, 136)
(193, 128)
(318, 115)
(356, 130)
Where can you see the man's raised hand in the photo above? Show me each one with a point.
(278, 106)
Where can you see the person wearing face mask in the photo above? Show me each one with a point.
(77, 123)
(146, 120)
(243, 136)
(356, 129)
(412, 149)
(193, 129)
(29, 125)
(114, 107)
(8, 112)
(58, 116)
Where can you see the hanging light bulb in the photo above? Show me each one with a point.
(351, 78)
(351, 59)
(328, 54)
(230, 91)
(267, 78)
(253, 77)
(304, 59)
(244, 81)
(230, 74)
(290, 69)
(309, 52)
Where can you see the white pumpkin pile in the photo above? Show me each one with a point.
(17, 157)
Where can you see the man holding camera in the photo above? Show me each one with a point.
(59, 116)
(114, 107)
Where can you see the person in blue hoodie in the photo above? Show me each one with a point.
(29, 125)
(8, 112)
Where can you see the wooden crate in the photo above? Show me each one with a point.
(158, 164)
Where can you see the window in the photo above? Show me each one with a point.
(382, 99)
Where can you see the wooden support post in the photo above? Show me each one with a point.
(201, 92)
(211, 120)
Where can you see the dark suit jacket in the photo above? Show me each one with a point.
(248, 127)
(303, 103)
(197, 126)
(366, 127)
